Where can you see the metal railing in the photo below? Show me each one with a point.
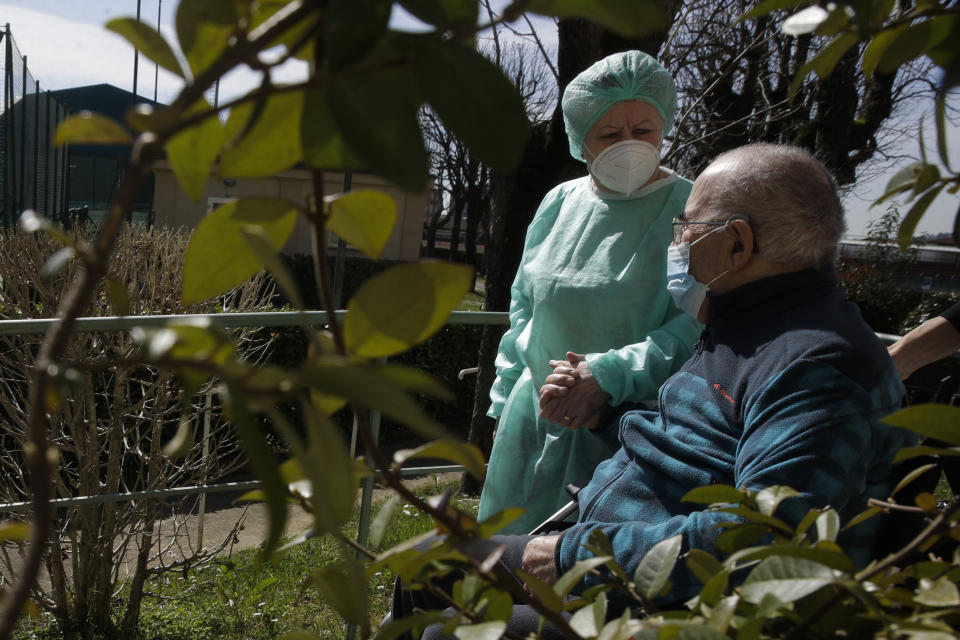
(227, 320)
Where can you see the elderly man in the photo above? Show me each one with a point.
(787, 385)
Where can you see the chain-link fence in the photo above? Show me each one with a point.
(32, 171)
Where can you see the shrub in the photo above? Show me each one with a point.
(111, 429)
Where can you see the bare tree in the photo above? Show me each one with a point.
(733, 80)
(461, 182)
(111, 431)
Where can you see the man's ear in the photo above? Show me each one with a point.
(741, 252)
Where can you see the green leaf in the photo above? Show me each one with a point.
(367, 387)
(353, 28)
(714, 494)
(263, 139)
(364, 219)
(260, 244)
(329, 468)
(182, 441)
(415, 380)
(833, 559)
(323, 145)
(836, 21)
(384, 134)
(403, 306)
(941, 121)
(588, 620)
(57, 263)
(938, 593)
(204, 30)
(908, 453)
(87, 127)
(621, 628)
(543, 591)
(788, 579)
(118, 296)
(474, 99)
(828, 525)
(380, 523)
(740, 537)
(14, 531)
(462, 453)
(499, 605)
(770, 498)
(907, 45)
(193, 151)
(928, 175)
(702, 565)
(700, 633)
(715, 588)
(930, 420)
(629, 18)
(878, 47)
(909, 224)
(769, 6)
(147, 41)
(344, 588)
(755, 516)
(722, 616)
(910, 477)
(902, 180)
(654, 569)
(218, 257)
(571, 578)
(499, 520)
(444, 13)
(481, 630)
(824, 62)
(410, 626)
(260, 456)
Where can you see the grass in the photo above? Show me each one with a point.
(245, 597)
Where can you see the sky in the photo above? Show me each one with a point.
(67, 46)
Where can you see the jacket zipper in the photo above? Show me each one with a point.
(587, 510)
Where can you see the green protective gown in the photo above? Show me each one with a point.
(592, 280)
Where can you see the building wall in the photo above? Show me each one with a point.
(172, 206)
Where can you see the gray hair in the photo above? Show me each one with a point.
(790, 198)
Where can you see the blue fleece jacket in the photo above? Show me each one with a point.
(787, 387)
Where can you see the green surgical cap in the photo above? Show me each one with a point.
(631, 75)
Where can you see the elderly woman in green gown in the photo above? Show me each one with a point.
(589, 302)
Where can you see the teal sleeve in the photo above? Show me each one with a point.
(509, 363)
(635, 372)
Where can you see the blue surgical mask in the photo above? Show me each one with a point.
(688, 293)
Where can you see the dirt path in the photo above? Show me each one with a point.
(221, 520)
(219, 523)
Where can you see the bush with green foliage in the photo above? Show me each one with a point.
(112, 425)
(878, 281)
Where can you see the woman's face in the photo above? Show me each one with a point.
(631, 120)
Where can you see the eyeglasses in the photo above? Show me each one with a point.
(680, 223)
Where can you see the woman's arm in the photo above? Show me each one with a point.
(934, 339)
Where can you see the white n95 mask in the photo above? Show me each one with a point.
(625, 166)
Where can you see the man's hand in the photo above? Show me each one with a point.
(538, 558)
(571, 396)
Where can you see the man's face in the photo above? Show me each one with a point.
(708, 242)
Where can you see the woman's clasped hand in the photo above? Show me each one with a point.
(571, 396)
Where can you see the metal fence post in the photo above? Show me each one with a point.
(202, 509)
